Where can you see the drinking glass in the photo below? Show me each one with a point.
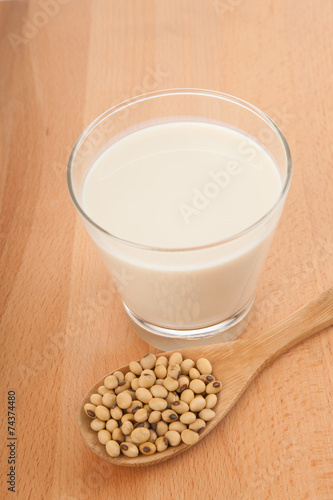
(181, 296)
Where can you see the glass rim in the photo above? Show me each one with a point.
(172, 92)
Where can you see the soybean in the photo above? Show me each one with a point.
(111, 382)
(148, 361)
(214, 387)
(102, 412)
(204, 366)
(207, 414)
(157, 403)
(104, 436)
(161, 443)
(147, 448)
(109, 400)
(140, 435)
(189, 437)
(96, 399)
(90, 410)
(97, 424)
(173, 438)
(112, 448)
(129, 449)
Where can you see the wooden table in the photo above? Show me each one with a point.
(62, 63)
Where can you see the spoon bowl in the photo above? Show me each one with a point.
(235, 364)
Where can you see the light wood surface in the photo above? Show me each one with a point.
(62, 63)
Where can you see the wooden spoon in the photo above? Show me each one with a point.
(235, 364)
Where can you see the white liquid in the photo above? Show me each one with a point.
(182, 185)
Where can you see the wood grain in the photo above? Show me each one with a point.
(62, 324)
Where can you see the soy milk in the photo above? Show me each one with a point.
(181, 186)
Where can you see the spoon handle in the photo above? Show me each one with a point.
(306, 321)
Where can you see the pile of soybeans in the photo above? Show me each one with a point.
(158, 403)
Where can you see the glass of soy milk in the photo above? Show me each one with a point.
(181, 191)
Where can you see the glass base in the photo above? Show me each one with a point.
(168, 339)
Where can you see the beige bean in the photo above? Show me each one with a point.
(159, 404)
(153, 436)
(169, 416)
(162, 360)
(141, 415)
(129, 449)
(211, 400)
(176, 357)
(140, 435)
(160, 371)
(159, 391)
(127, 417)
(97, 424)
(214, 387)
(122, 386)
(111, 425)
(96, 399)
(103, 390)
(116, 412)
(148, 361)
(183, 383)
(135, 384)
(103, 436)
(198, 403)
(90, 410)
(174, 371)
(111, 382)
(197, 386)
(102, 412)
(147, 380)
(127, 428)
(161, 443)
(120, 376)
(147, 371)
(135, 406)
(198, 425)
(109, 400)
(204, 366)
(129, 376)
(187, 396)
(186, 365)
(143, 394)
(154, 417)
(177, 426)
(173, 438)
(118, 436)
(136, 368)
(147, 448)
(112, 448)
(207, 414)
(171, 398)
(170, 383)
(188, 417)
(189, 437)
(124, 400)
(161, 428)
(194, 373)
(180, 407)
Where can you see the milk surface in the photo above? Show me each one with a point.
(181, 185)
(177, 186)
